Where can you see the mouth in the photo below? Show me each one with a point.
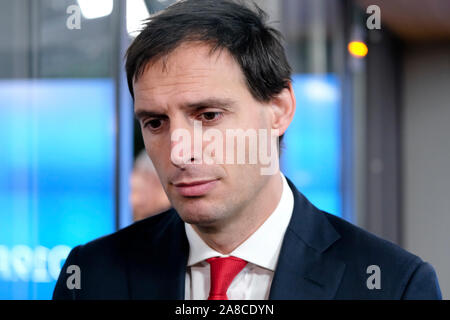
(195, 188)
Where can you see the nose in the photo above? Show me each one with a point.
(185, 143)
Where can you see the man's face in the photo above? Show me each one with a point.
(193, 84)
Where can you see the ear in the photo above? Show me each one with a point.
(283, 109)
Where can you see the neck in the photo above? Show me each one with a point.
(231, 234)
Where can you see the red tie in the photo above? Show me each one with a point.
(223, 271)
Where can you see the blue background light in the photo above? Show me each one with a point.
(311, 157)
(56, 177)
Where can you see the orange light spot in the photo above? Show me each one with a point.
(357, 49)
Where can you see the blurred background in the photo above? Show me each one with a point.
(370, 141)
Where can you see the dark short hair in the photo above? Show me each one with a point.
(225, 24)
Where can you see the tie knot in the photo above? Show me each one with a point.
(223, 271)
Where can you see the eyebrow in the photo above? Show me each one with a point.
(201, 104)
(211, 103)
(141, 114)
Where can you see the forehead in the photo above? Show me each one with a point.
(191, 71)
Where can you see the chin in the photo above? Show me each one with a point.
(197, 214)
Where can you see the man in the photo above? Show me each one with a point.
(233, 232)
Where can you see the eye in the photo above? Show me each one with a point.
(153, 124)
(211, 116)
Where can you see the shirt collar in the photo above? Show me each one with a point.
(262, 248)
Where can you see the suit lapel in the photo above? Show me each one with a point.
(304, 269)
(157, 262)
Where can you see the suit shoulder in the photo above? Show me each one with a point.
(359, 241)
(403, 274)
(151, 227)
(104, 261)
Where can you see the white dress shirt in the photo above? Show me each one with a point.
(261, 250)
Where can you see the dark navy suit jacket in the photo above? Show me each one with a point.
(322, 257)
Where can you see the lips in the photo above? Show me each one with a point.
(195, 188)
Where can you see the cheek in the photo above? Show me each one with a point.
(157, 147)
(158, 161)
